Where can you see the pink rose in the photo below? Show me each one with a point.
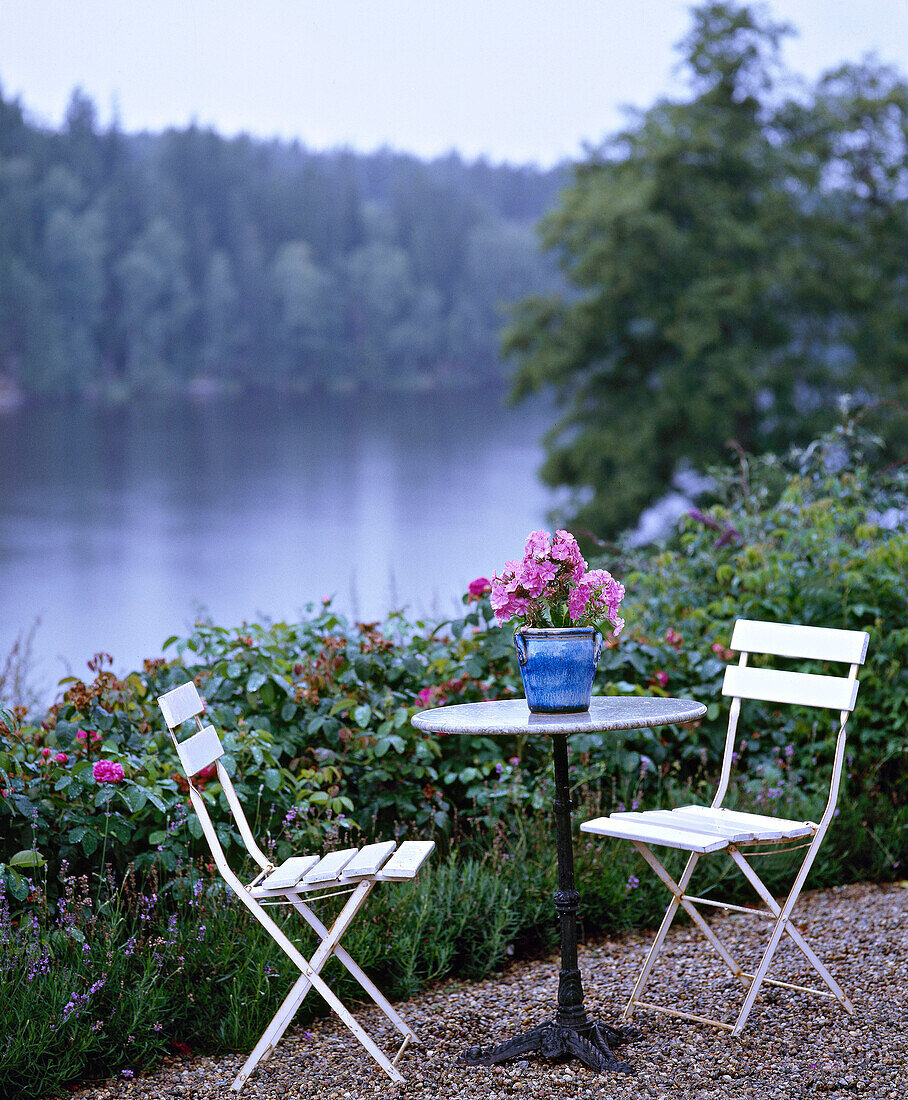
(61, 758)
(45, 753)
(480, 586)
(108, 771)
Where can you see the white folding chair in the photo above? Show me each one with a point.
(298, 881)
(701, 830)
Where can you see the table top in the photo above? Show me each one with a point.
(513, 716)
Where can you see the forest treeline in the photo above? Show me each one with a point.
(143, 262)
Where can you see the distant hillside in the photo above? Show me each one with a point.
(136, 263)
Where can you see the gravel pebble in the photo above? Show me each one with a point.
(794, 1045)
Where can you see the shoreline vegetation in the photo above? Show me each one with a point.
(136, 263)
(213, 387)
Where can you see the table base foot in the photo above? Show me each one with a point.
(590, 1044)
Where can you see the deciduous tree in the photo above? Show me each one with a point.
(737, 262)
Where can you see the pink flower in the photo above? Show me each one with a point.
(480, 586)
(424, 697)
(578, 599)
(672, 637)
(82, 735)
(500, 595)
(534, 575)
(61, 758)
(551, 575)
(661, 678)
(565, 548)
(108, 771)
(45, 753)
(538, 545)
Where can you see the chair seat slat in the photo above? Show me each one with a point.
(288, 874)
(686, 839)
(671, 819)
(329, 867)
(800, 688)
(818, 643)
(762, 824)
(368, 860)
(407, 860)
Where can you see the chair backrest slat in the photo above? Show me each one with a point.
(800, 688)
(200, 750)
(818, 643)
(180, 704)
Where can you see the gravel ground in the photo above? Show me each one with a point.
(793, 1046)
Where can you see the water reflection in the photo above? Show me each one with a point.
(117, 523)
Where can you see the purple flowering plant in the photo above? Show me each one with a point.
(552, 586)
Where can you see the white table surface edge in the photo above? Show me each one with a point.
(513, 716)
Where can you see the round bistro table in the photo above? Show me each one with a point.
(571, 1033)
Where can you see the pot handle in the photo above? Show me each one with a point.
(521, 646)
(598, 654)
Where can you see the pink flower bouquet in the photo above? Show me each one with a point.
(551, 587)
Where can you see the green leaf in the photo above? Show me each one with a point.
(16, 884)
(137, 797)
(288, 710)
(272, 778)
(155, 799)
(255, 681)
(362, 714)
(27, 858)
(121, 828)
(157, 837)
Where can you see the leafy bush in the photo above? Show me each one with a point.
(819, 539)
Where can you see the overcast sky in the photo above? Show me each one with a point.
(515, 80)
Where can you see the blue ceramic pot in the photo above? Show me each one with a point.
(558, 666)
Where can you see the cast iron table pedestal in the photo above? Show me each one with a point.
(571, 1033)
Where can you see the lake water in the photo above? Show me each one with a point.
(117, 524)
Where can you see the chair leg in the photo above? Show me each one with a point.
(344, 957)
(782, 924)
(670, 912)
(677, 889)
(310, 977)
